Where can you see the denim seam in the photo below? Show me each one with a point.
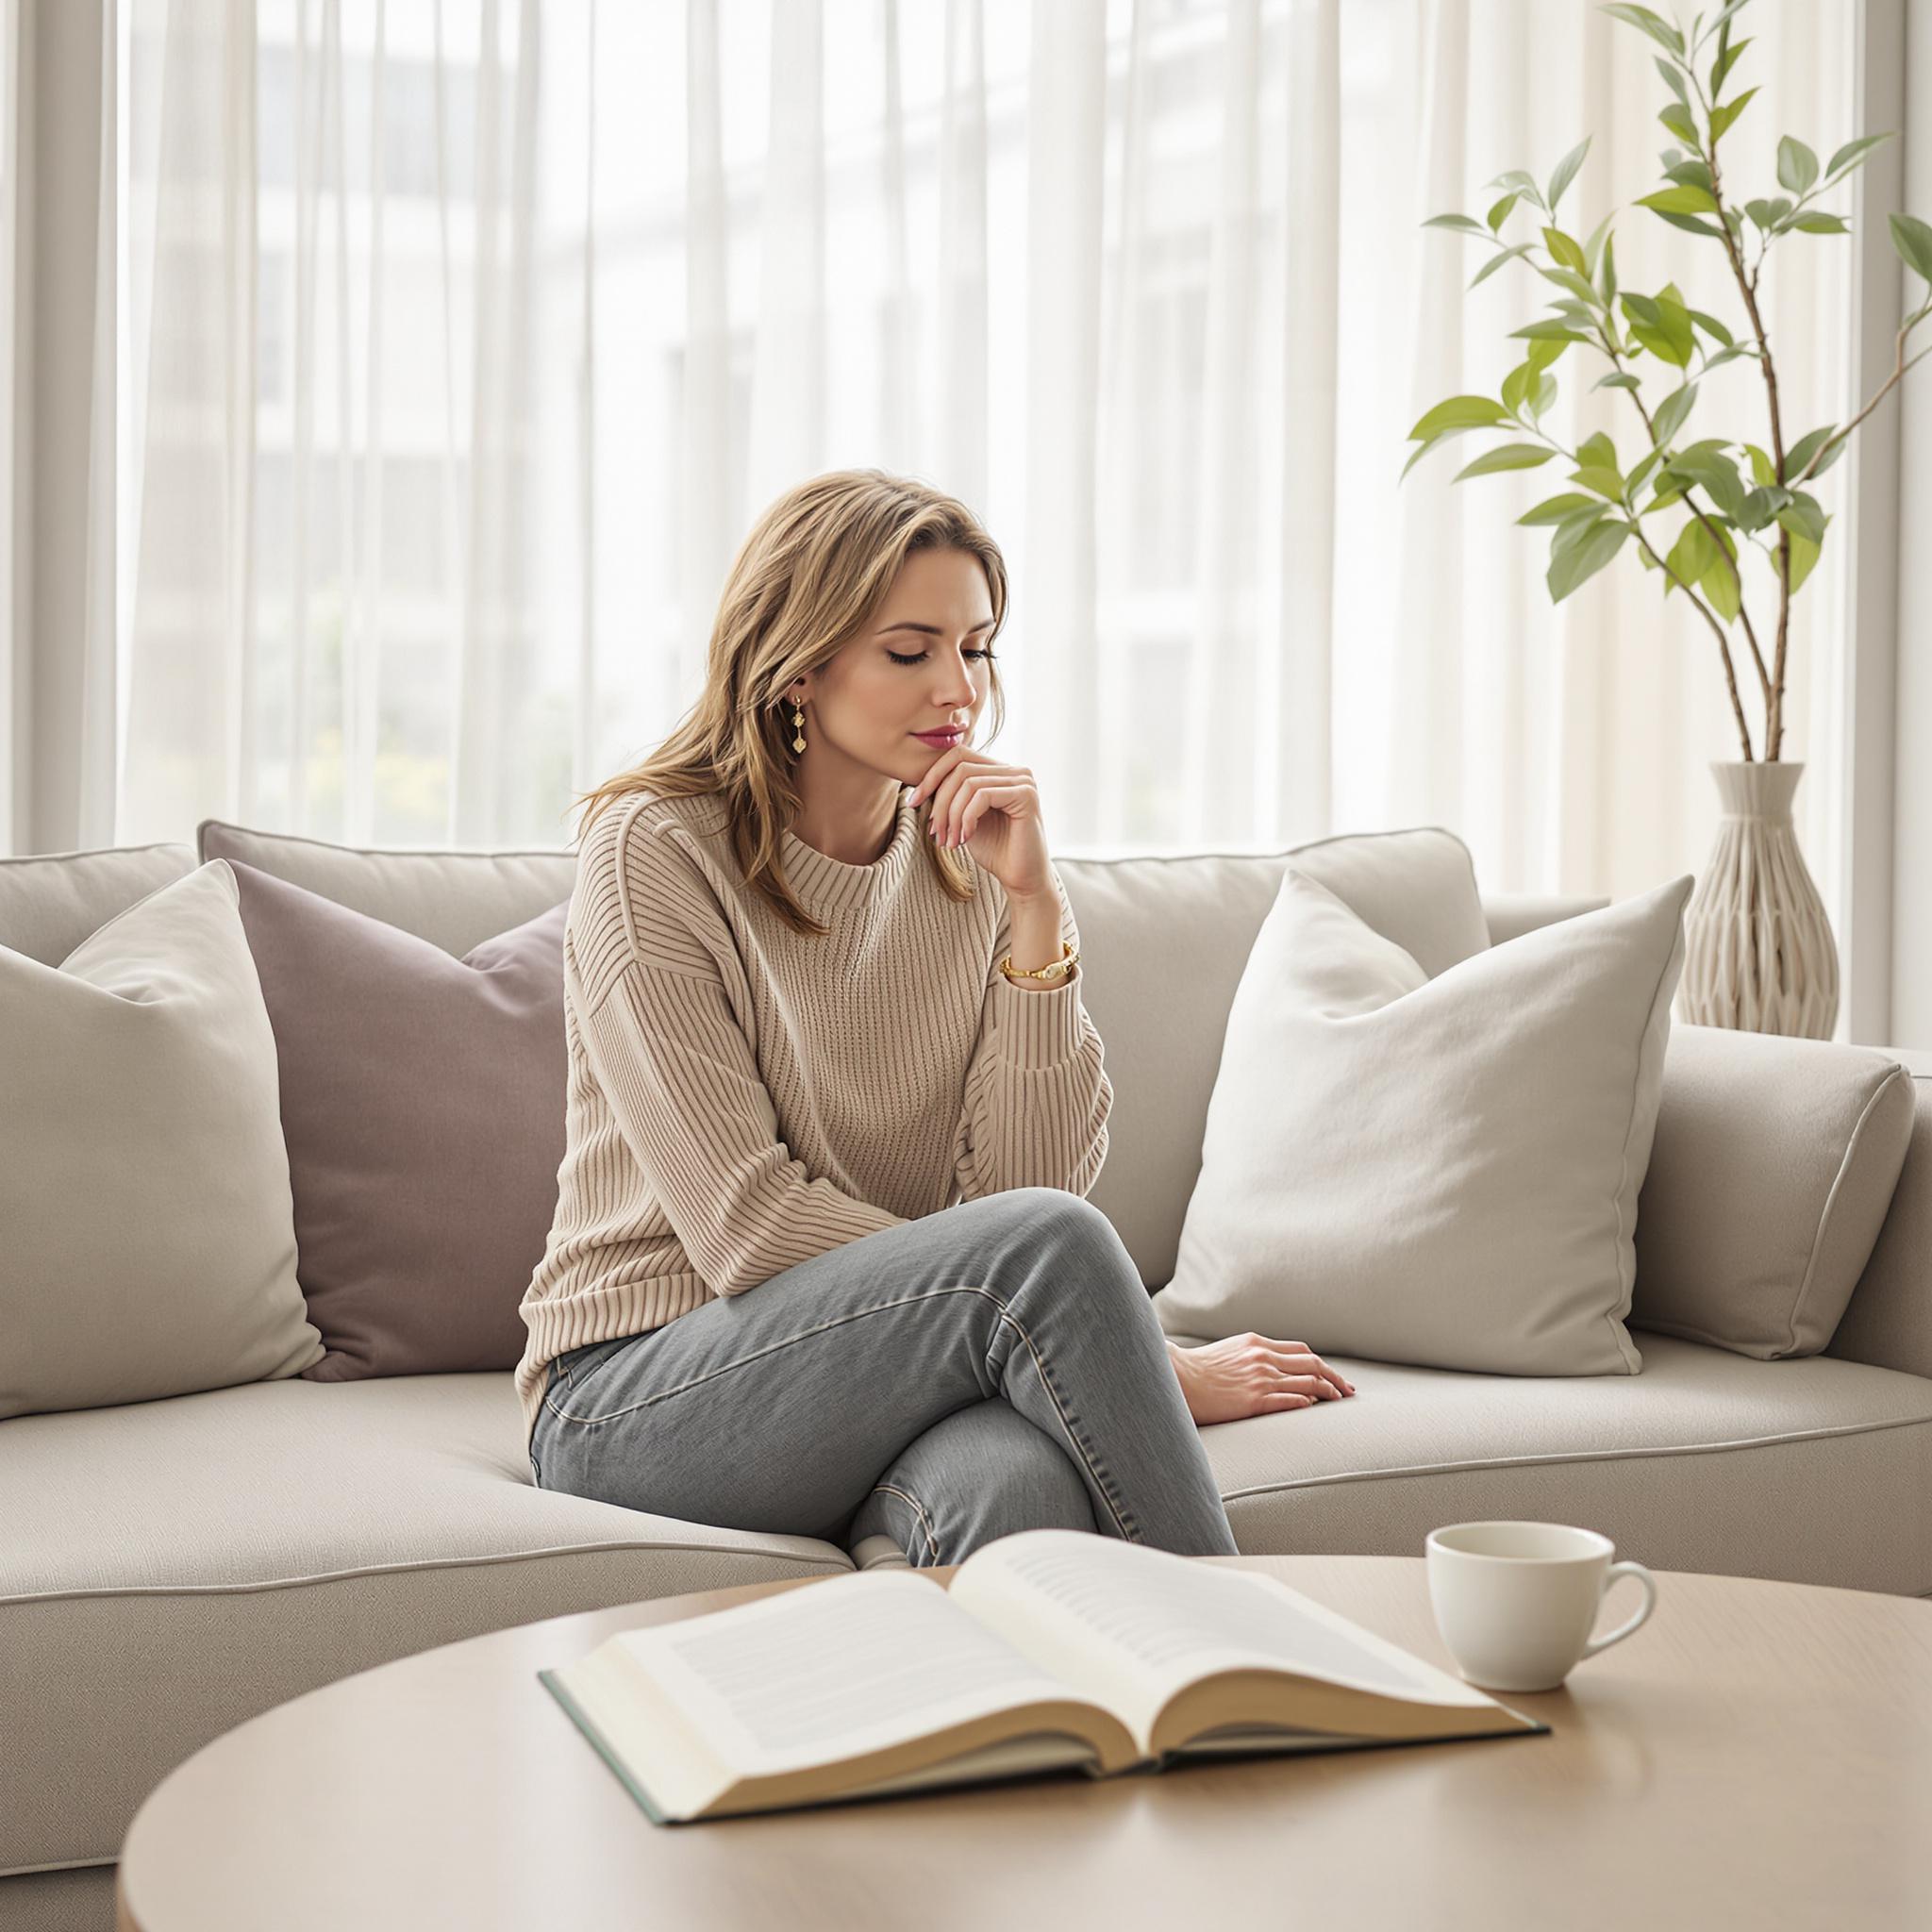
(1094, 1467)
(918, 1510)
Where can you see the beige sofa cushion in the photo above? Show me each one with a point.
(1433, 1171)
(49, 902)
(1773, 1166)
(150, 1238)
(1165, 940)
(454, 899)
(296, 1531)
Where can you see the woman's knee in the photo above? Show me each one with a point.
(1065, 1234)
(981, 1474)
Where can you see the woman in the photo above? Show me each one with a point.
(792, 1042)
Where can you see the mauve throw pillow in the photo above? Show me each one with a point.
(423, 1104)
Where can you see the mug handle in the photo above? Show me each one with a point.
(1624, 1630)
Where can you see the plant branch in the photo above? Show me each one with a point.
(1717, 630)
(1696, 509)
(1748, 288)
(1710, 616)
(1890, 382)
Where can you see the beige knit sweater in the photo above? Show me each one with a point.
(742, 1097)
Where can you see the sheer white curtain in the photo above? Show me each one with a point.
(460, 343)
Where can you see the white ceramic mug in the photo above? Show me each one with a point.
(1516, 1602)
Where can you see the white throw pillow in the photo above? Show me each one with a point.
(1438, 1172)
(150, 1231)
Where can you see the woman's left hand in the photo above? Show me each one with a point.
(1252, 1374)
(993, 810)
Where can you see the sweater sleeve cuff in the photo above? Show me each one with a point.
(1038, 1028)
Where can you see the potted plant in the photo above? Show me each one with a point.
(1758, 948)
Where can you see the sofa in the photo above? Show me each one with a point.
(170, 1568)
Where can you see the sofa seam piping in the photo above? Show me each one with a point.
(1830, 1199)
(1909, 1422)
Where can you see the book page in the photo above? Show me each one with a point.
(849, 1665)
(1130, 1625)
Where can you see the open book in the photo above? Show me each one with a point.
(1052, 1651)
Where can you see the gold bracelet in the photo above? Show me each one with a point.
(1050, 975)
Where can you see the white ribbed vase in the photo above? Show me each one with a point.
(1759, 953)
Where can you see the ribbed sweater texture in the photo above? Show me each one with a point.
(742, 1096)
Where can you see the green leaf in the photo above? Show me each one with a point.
(1548, 329)
(1569, 279)
(1913, 241)
(1516, 386)
(1721, 118)
(1720, 67)
(1729, 355)
(1595, 245)
(1545, 396)
(1462, 222)
(1797, 166)
(1760, 506)
(1691, 556)
(1712, 326)
(1674, 78)
(1543, 352)
(1817, 222)
(1565, 251)
(1660, 29)
(1802, 517)
(1692, 224)
(1672, 412)
(1599, 449)
(1663, 325)
(1762, 468)
(1722, 589)
(1634, 481)
(1690, 174)
(1714, 473)
(1459, 412)
(1576, 526)
(1621, 379)
(1422, 448)
(1676, 117)
(1523, 183)
(1510, 456)
(1500, 212)
(1554, 510)
(1832, 454)
(1583, 560)
(1804, 557)
(1677, 323)
(1720, 20)
(1682, 200)
(1496, 261)
(1852, 153)
(1565, 172)
(1607, 271)
(1606, 483)
(1768, 214)
(1803, 451)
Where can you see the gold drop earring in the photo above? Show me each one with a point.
(798, 726)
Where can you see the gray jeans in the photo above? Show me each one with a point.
(993, 1367)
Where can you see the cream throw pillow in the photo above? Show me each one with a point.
(150, 1231)
(1438, 1172)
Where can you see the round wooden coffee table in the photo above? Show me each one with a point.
(1758, 1753)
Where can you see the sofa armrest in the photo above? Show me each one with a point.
(1889, 1322)
(1511, 914)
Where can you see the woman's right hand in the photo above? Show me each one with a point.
(1252, 1374)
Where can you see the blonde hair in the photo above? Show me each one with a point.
(815, 569)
